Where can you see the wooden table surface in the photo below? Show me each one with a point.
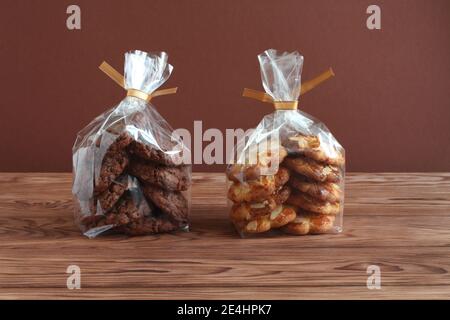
(397, 221)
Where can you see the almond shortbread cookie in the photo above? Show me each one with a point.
(309, 223)
(279, 217)
(323, 191)
(256, 163)
(260, 189)
(247, 211)
(314, 170)
(306, 202)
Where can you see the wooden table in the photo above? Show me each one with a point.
(397, 221)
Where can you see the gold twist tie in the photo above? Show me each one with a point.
(118, 78)
(288, 105)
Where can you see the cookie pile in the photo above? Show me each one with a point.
(139, 190)
(302, 197)
(258, 199)
(317, 185)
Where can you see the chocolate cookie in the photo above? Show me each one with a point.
(125, 212)
(116, 189)
(133, 216)
(169, 178)
(114, 162)
(149, 225)
(89, 221)
(113, 165)
(173, 203)
(155, 154)
(122, 141)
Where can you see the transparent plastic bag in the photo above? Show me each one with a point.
(129, 173)
(288, 174)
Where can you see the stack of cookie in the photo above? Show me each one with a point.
(258, 198)
(316, 182)
(139, 190)
(303, 197)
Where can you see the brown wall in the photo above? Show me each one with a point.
(389, 104)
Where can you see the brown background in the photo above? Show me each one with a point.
(388, 105)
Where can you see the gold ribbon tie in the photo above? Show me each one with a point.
(288, 105)
(118, 78)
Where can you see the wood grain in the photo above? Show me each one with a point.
(398, 221)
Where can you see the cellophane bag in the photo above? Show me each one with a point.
(129, 171)
(288, 173)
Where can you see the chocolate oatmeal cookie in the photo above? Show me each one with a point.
(125, 212)
(113, 163)
(122, 141)
(169, 178)
(148, 225)
(152, 153)
(173, 203)
(116, 189)
(137, 217)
